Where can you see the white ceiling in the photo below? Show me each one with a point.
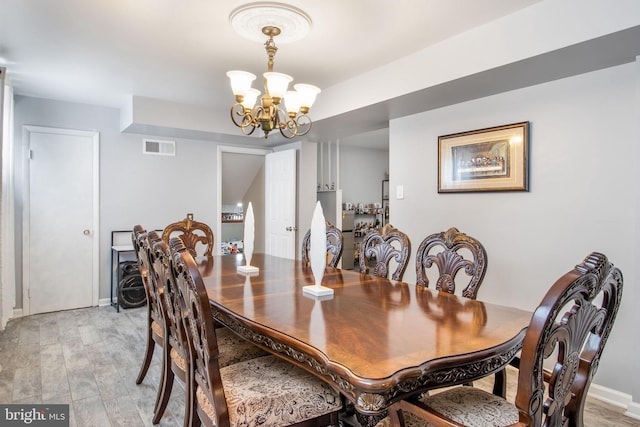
(103, 51)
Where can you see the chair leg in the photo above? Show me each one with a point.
(500, 383)
(369, 420)
(191, 418)
(335, 418)
(148, 355)
(164, 391)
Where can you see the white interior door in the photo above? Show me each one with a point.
(280, 201)
(61, 247)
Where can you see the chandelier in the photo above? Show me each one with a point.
(292, 120)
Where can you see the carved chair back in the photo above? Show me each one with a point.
(334, 245)
(173, 312)
(570, 327)
(199, 324)
(385, 245)
(450, 260)
(138, 234)
(142, 242)
(156, 326)
(567, 332)
(192, 233)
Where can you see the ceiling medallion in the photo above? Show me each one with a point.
(250, 19)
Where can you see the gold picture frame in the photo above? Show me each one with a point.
(491, 159)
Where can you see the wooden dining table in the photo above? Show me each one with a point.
(374, 340)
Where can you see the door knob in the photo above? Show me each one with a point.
(86, 232)
(291, 228)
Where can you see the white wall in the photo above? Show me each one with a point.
(582, 194)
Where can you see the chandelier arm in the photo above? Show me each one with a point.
(237, 109)
(287, 135)
(288, 127)
(249, 124)
(248, 132)
(304, 124)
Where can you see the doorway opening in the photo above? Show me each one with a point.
(240, 181)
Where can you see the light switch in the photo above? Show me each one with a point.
(400, 192)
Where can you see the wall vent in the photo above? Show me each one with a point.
(159, 147)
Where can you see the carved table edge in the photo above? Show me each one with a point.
(366, 400)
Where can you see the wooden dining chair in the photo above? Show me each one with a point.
(175, 361)
(451, 252)
(382, 246)
(191, 232)
(142, 242)
(568, 331)
(334, 245)
(263, 391)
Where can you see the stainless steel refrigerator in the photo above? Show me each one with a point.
(348, 239)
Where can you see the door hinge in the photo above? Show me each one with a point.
(30, 154)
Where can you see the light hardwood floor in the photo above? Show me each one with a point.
(89, 358)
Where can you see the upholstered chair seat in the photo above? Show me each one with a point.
(267, 391)
(157, 329)
(178, 359)
(234, 349)
(473, 407)
(469, 406)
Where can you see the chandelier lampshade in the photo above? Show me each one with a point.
(268, 112)
(307, 94)
(292, 101)
(250, 98)
(277, 85)
(240, 82)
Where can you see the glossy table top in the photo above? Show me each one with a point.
(372, 333)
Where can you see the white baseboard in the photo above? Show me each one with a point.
(104, 301)
(633, 410)
(17, 312)
(610, 396)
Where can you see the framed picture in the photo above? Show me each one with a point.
(491, 159)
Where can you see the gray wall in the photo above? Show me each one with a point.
(134, 188)
(361, 173)
(583, 195)
(140, 189)
(255, 195)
